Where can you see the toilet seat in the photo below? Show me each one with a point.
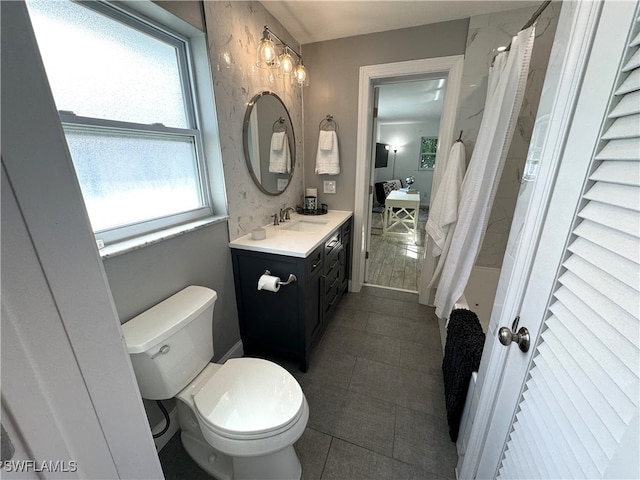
(249, 398)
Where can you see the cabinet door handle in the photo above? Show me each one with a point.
(333, 300)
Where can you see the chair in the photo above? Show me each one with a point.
(382, 189)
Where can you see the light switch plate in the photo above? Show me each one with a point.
(329, 186)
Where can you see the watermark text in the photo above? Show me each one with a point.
(58, 466)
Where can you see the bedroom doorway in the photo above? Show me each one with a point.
(406, 124)
(389, 73)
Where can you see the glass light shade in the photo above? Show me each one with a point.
(267, 56)
(301, 74)
(286, 63)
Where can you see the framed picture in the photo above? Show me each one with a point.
(428, 148)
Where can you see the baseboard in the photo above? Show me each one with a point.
(237, 351)
(173, 428)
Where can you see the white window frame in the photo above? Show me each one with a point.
(420, 167)
(188, 75)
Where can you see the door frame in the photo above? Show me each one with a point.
(452, 67)
(544, 228)
(51, 212)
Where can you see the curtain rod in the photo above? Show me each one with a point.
(532, 20)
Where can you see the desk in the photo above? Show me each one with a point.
(401, 208)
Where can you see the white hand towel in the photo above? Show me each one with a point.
(280, 160)
(325, 140)
(443, 211)
(328, 161)
(277, 141)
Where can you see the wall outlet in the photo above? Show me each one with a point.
(329, 186)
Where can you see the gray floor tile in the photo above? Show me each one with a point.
(356, 418)
(362, 344)
(423, 439)
(419, 312)
(312, 449)
(350, 462)
(350, 318)
(406, 471)
(400, 386)
(424, 358)
(385, 306)
(401, 328)
(328, 367)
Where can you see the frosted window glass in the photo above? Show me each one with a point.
(101, 68)
(127, 178)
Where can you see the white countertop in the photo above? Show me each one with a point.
(281, 241)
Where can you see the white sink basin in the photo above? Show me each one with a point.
(305, 226)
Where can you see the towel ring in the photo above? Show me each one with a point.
(279, 124)
(328, 124)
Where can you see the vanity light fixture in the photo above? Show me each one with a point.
(283, 62)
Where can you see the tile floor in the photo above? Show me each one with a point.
(394, 258)
(375, 393)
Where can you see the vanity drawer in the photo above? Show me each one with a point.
(332, 279)
(332, 261)
(332, 244)
(314, 262)
(331, 298)
(345, 231)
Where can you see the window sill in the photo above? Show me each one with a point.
(126, 246)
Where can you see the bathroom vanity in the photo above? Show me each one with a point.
(287, 323)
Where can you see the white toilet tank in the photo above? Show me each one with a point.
(172, 342)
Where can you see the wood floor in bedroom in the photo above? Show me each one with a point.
(394, 257)
(375, 393)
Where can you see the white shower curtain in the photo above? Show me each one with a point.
(505, 91)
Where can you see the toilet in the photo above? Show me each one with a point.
(240, 419)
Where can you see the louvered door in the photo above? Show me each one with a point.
(579, 406)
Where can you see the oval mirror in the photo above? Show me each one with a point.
(269, 143)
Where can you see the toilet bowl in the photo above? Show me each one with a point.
(239, 419)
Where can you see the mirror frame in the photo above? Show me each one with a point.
(245, 140)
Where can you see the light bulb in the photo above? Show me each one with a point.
(301, 74)
(267, 57)
(286, 63)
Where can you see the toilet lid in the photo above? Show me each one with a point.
(249, 396)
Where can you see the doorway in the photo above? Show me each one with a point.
(405, 134)
(370, 77)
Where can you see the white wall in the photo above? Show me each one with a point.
(334, 67)
(407, 160)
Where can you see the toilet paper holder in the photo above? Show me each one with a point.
(292, 278)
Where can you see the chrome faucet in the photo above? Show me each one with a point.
(286, 214)
(275, 219)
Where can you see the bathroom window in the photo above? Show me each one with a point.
(428, 149)
(123, 87)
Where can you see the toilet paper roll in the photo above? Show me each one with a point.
(269, 283)
(312, 192)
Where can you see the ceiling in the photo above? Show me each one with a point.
(318, 20)
(416, 101)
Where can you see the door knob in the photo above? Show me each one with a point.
(506, 336)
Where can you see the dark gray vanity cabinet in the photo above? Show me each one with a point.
(289, 322)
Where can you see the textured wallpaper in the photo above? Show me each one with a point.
(234, 30)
